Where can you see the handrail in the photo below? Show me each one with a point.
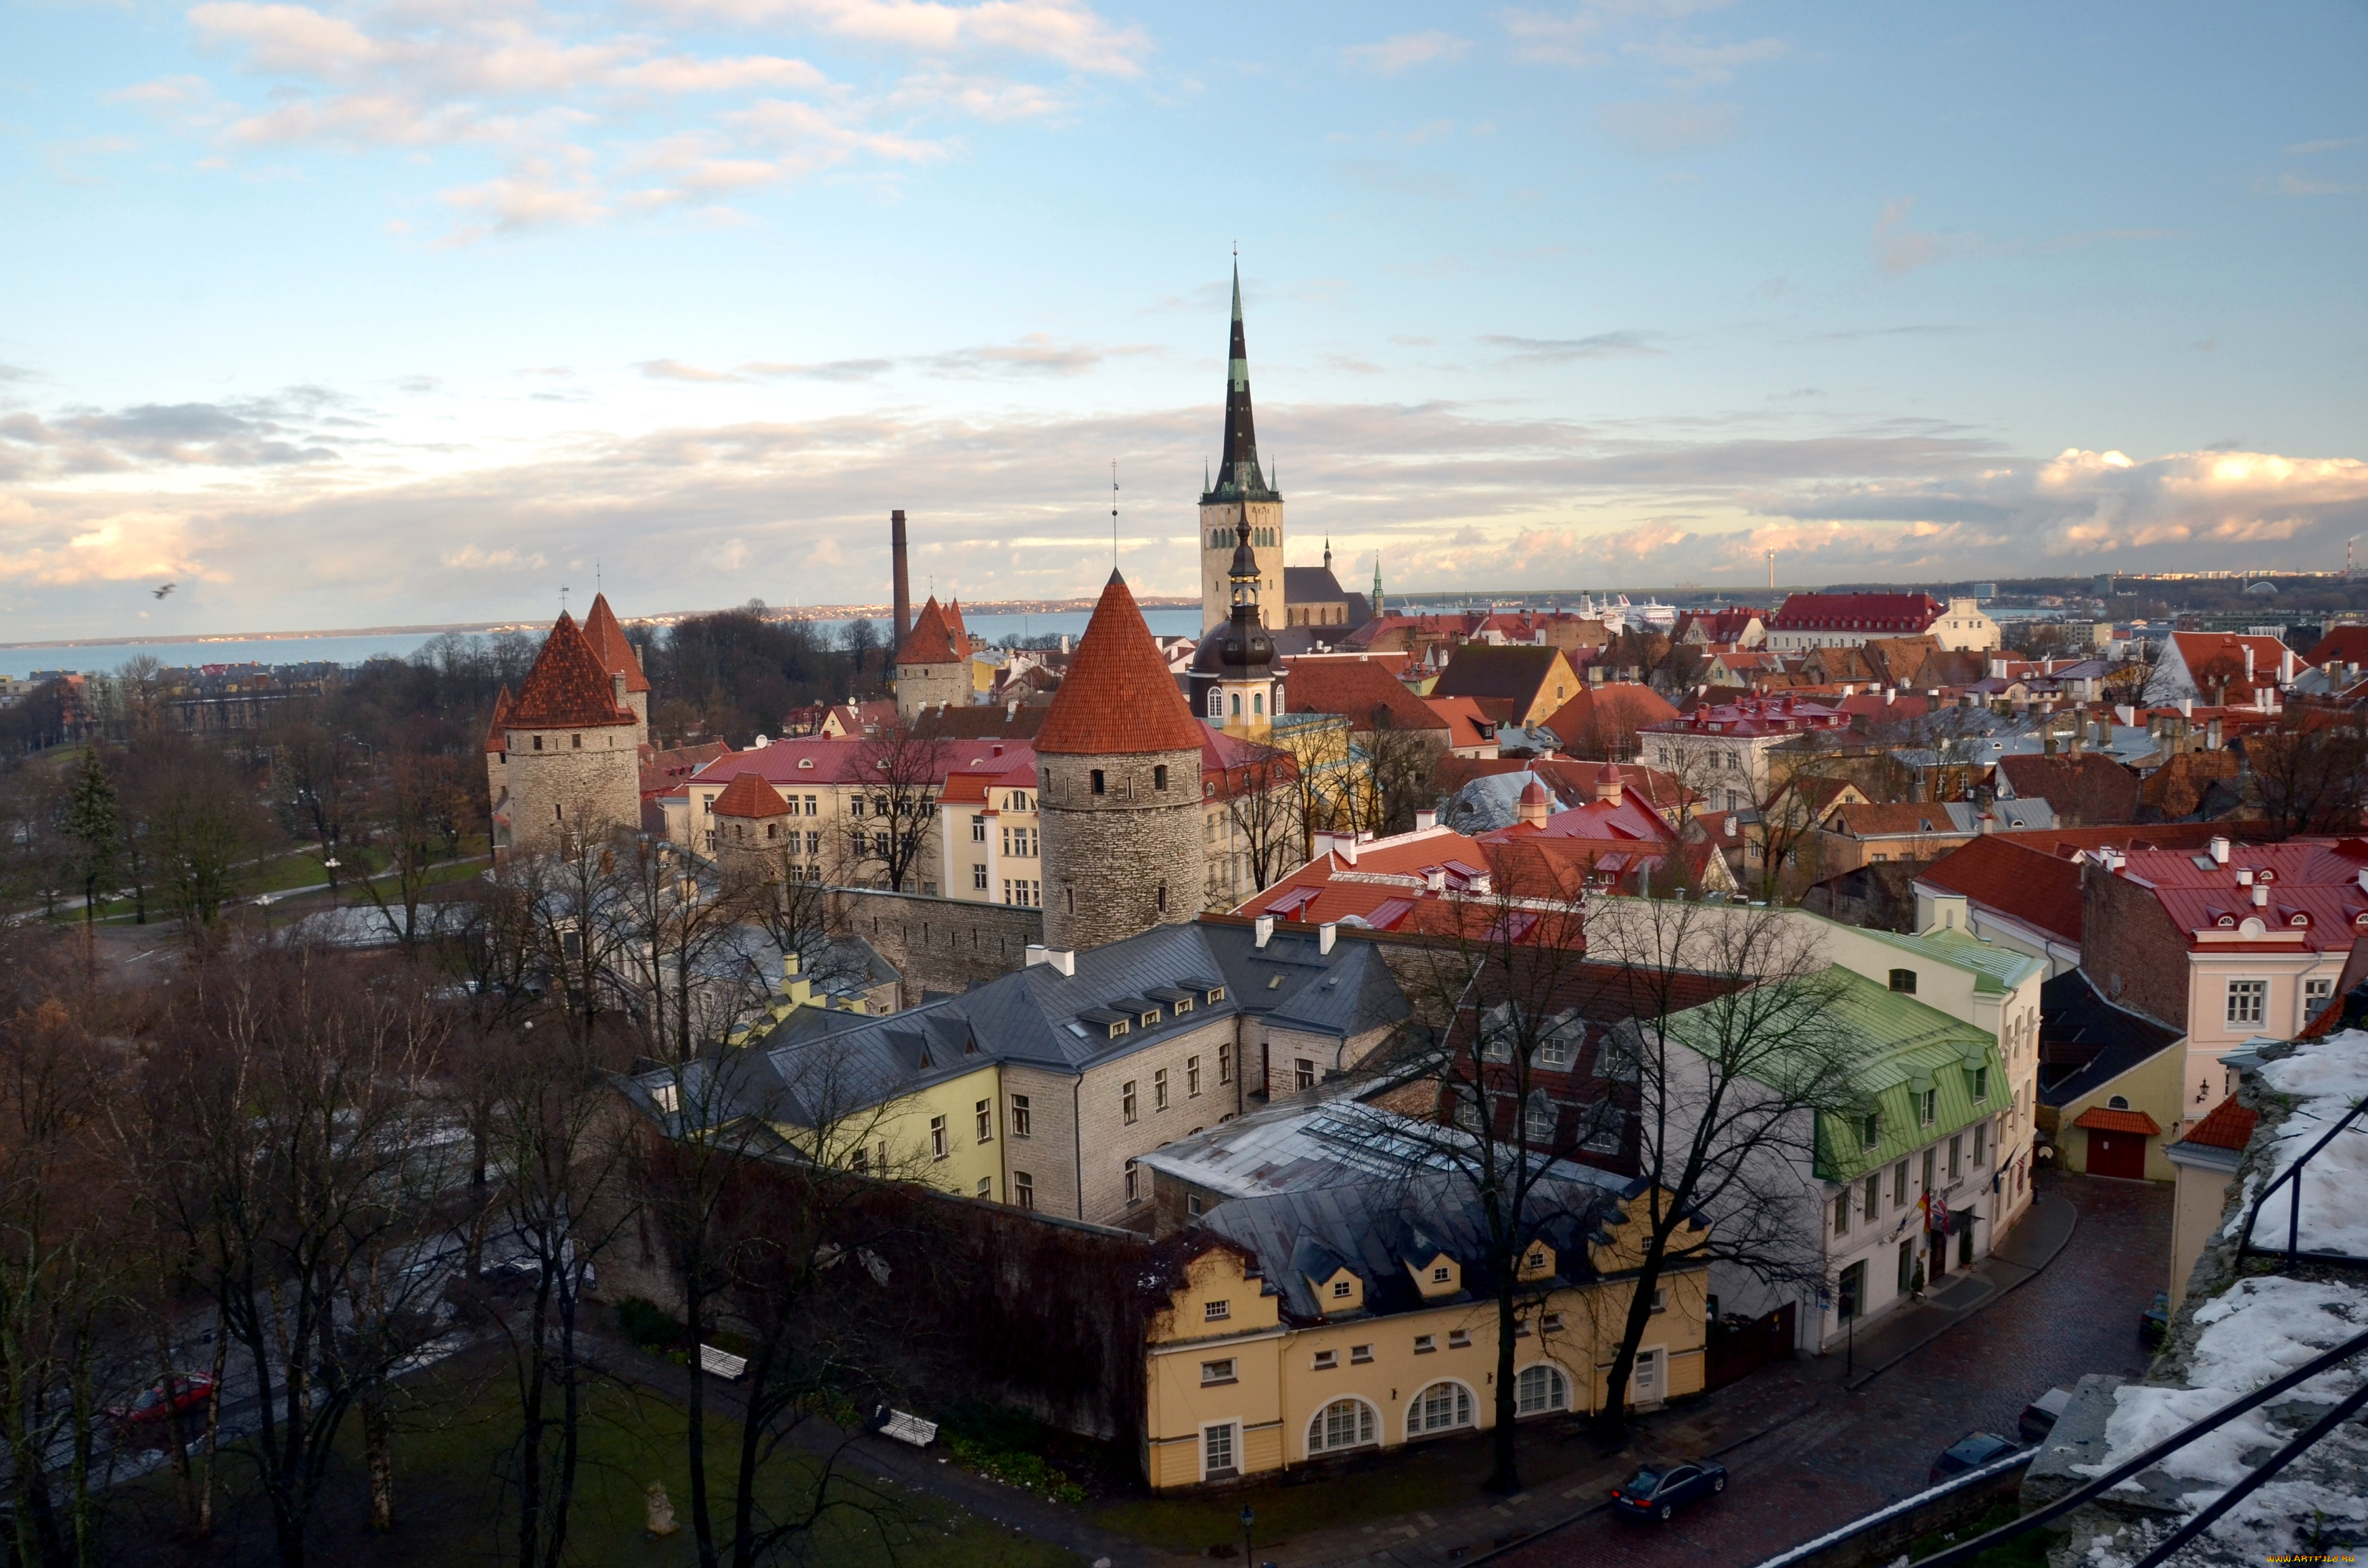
(2245, 1248)
(1968, 1551)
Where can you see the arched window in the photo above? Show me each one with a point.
(1441, 1407)
(1257, 703)
(1237, 704)
(1541, 1389)
(1216, 703)
(1343, 1423)
(2119, 1102)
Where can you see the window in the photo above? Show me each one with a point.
(1981, 1083)
(537, 746)
(978, 829)
(1537, 1258)
(1126, 1099)
(1358, 1354)
(1899, 1183)
(1159, 775)
(1193, 1204)
(1558, 1050)
(1906, 1266)
(1852, 1301)
(1216, 1311)
(1217, 1451)
(1326, 1360)
(1539, 1388)
(1904, 981)
(1303, 1073)
(1216, 703)
(986, 1187)
(1343, 1423)
(1927, 1105)
(1159, 898)
(1550, 1322)
(985, 1113)
(1661, 1300)
(1023, 1189)
(1425, 1343)
(2118, 1102)
(1224, 1065)
(1957, 1155)
(1159, 1089)
(1094, 781)
(1191, 1077)
(1133, 1183)
(1841, 1215)
(1873, 1196)
(1340, 1289)
(1021, 1122)
(1981, 1151)
(937, 1137)
(2247, 1000)
(2315, 993)
(1439, 1408)
(1930, 1156)
(1870, 1131)
(1538, 1120)
(576, 743)
(978, 876)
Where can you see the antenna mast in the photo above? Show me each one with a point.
(1113, 514)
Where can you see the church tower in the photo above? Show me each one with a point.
(1240, 496)
(1233, 680)
(1118, 772)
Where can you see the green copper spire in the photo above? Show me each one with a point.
(1239, 478)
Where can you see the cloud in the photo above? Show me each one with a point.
(1068, 34)
(1900, 250)
(248, 433)
(1582, 37)
(828, 370)
(1703, 66)
(1403, 51)
(1912, 329)
(1394, 179)
(676, 371)
(1034, 355)
(2309, 185)
(1656, 129)
(1559, 351)
(2306, 149)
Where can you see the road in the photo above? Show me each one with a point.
(1854, 1452)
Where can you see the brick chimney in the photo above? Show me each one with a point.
(903, 585)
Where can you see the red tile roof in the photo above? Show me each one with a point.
(569, 687)
(2021, 881)
(1857, 612)
(2230, 1126)
(1753, 716)
(1465, 722)
(2098, 1118)
(1357, 688)
(931, 641)
(497, 738)
(608, 639)
(2342, 645)
(749, 796)
(2090, 790)
(1118, 697)
(1602, 716)
(2315, 901)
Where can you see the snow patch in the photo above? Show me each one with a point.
(2330, 1077)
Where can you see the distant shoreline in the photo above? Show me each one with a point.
(774, 612)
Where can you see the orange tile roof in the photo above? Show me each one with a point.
(931, 641)
(569, 687)
(749, 796)
(2099, 1118)
(608, 639)
(2230, 1126)
(1118, 697)
(497, 738)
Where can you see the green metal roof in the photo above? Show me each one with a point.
(1906, 1047)
(1996, 969)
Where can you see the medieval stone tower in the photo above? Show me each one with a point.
(569, 766)
(1240, 496)
(1117, 769)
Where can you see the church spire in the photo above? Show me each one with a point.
(1239, 478)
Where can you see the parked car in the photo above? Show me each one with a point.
(2039, 1417)
(147, 1409)
(1970, 1452)
(2155, 1321)
(1657, 1491)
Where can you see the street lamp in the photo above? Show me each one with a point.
(1248, 1518)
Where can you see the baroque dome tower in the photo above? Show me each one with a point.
(1235, 682)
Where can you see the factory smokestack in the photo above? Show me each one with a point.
(904, 576)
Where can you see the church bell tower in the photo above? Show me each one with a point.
(1239, 496)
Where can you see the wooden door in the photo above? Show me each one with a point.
(2117, 1154)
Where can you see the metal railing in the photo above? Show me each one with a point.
(2245, 1248)
(2204, 1519)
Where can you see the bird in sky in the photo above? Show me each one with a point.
(167, 588)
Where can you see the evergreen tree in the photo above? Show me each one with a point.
(94, 827)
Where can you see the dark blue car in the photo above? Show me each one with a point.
(1971, 1451)
(1655, 1493)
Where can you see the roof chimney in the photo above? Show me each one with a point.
(2260, 895)
(904, 578)
(1427, 818)
(1329, 932)
(1608, 785)
(1264, 926)
(2220, 851)
(1062, 958)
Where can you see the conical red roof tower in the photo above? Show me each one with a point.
(608, 639)
(569, 687)
(1118, 697)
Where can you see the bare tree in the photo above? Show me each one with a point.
(204, 828)
(681, 954)
(321, 777)
(902, 770)
(2310, 773)
(1262, 812)
(410, 817)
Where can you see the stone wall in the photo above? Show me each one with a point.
(929, 686)
(1107, 1140)
(939, 944)
(1112, 860)
(591, 789)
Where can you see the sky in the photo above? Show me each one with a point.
(354, 314)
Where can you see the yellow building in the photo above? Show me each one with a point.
(1307, 1325)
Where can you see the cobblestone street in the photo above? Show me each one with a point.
(1851, 1452)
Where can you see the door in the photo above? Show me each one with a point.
(1965, 1247)
(2117, 1154)
(1645, 1381)
(1936, 1253)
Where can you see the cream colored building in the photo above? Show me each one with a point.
(1307, 1327)
(1964, 626)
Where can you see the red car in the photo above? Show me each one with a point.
(181, 1390)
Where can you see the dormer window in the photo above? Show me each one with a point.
(1440, 1274)
(1217, 993)
(1216, 1311)
(1342, 1290)
(2299, 919)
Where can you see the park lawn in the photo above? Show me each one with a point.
(452, 1456)
(1438, 1475)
